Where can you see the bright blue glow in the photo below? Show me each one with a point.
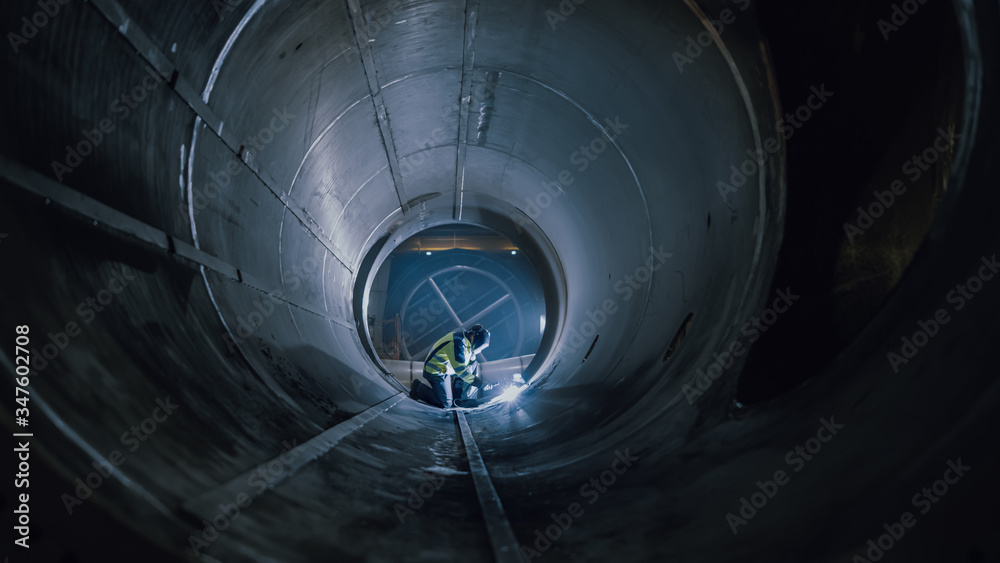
(510, 393)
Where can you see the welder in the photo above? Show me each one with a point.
(453, 356)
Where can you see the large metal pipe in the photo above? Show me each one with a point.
(197, 196)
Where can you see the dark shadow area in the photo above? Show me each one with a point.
(892, 94)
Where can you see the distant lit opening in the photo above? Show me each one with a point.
(449, 278)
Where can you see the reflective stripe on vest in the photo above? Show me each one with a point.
(445, 354)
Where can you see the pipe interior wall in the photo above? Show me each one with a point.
(326, 135)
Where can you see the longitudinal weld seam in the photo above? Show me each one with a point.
(505, 546)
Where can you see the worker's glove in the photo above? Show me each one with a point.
(478, 382)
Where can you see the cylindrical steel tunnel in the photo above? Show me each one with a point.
(197, 196)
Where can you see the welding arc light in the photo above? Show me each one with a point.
(510, 393)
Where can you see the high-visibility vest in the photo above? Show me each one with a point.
(451, 353)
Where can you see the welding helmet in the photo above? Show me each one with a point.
(480, 338)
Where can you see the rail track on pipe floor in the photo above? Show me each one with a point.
(503, 542)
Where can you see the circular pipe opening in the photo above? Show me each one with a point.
(501, 220)
(448, 278)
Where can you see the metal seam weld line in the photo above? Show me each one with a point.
(126, 226)
(381, 115)
(116, 15)
(465, 100)
(505, 545)
(207, 504)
